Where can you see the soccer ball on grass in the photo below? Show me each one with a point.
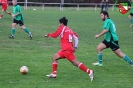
(24, 69)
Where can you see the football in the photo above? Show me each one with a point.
(24, 69)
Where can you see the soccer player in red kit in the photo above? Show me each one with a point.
(4, 5)
(67, 48)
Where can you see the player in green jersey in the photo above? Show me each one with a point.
(131, 14)
(18, 19)
(110, 40)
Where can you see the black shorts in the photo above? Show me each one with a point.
(112, 44)
(20, 22)
(131, 14)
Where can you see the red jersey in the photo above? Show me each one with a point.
(4, 1)
(66, 38)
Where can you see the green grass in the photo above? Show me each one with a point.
(37, 53)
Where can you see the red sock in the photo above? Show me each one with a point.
(54, 67)
(84, 68)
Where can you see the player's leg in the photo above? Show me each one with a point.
(106, 7)
(14, 23)
(2, 13)
(102, 7)
(4, 7)
(115, 47)
(13, 30)
(72, 58)
(100, 47)
(130, 18)
(25, 29)
(21, 23)
(83, 68)
(55, 59)
(123, 56)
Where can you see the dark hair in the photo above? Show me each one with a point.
(63, 20)
(105, 13)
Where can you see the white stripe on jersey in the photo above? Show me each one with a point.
(61, 34)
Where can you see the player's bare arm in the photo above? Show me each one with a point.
(102, 33)
(13, 15)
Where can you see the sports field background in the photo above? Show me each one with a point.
(37, 53)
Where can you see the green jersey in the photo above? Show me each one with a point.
(131, 7)
(111, 35)
(17, 9)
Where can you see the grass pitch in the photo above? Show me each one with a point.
(37, 53)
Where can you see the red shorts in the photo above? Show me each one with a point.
(4, 6)
(69, 55)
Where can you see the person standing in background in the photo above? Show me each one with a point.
(102, 5)
(106, 5)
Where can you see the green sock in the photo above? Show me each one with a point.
(100, 58)
(13, 31)
(128, 60)
(26, 30)
(131, 20)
